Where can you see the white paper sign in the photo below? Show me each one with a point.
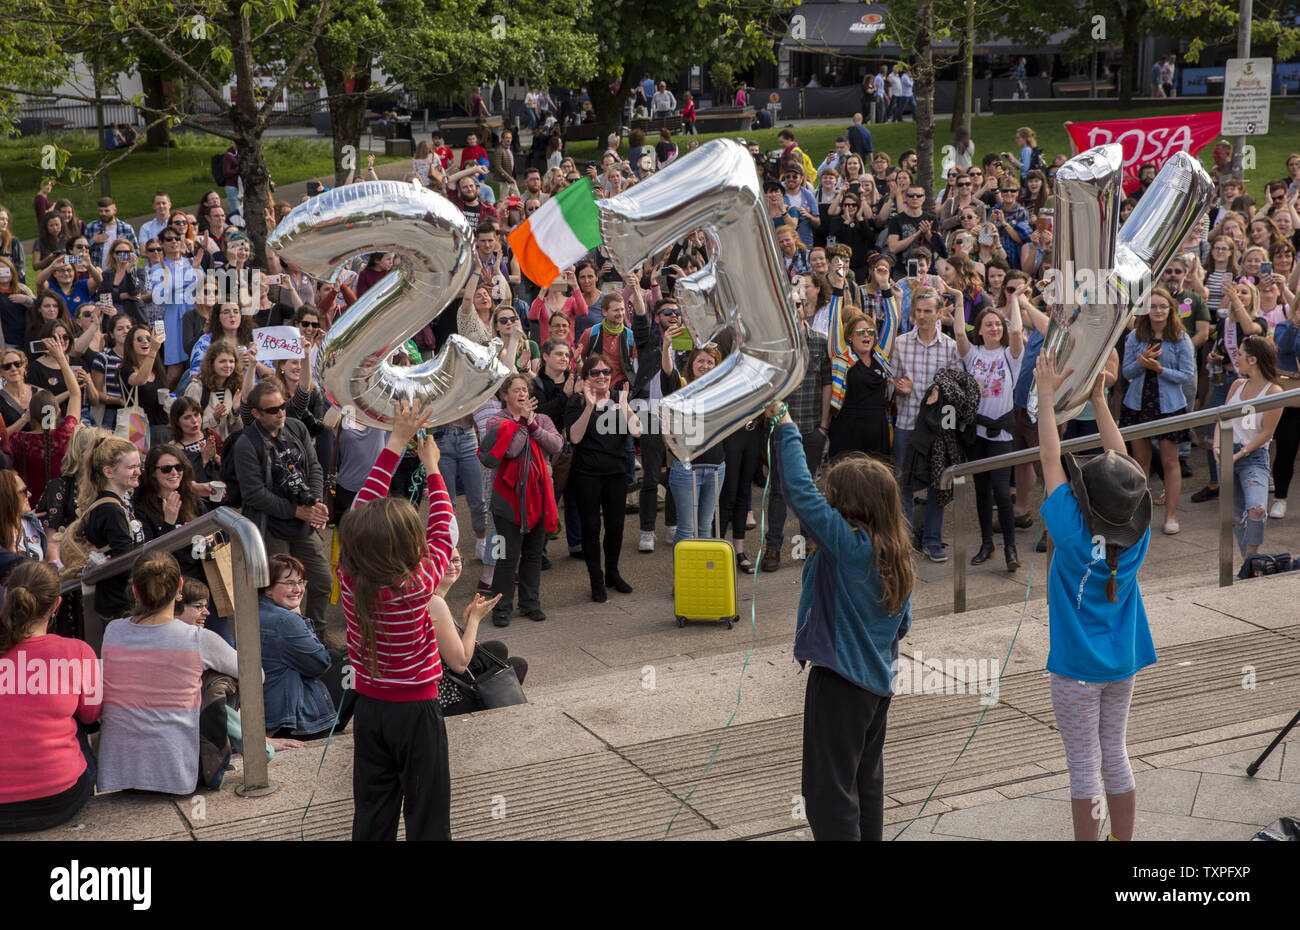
(1247, 84)
(277, 342)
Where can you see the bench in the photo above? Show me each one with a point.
(455, 129)
(725, 119)
(648, 126)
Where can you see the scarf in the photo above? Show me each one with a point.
(523, 481)
(604, 325)
(840, 366)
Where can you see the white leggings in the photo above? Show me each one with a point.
(1092, 718)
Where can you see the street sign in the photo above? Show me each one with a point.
(1247, 85)
(774, 104)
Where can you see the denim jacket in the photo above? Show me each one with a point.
(1179, 362)
(293, 660)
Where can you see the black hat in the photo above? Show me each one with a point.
(1112, 492)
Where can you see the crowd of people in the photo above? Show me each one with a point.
(134, 400)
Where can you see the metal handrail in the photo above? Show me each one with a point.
(955, 476)
(251, 572)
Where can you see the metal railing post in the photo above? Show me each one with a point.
(252, 711)
(962, 501)
(1226, 490)
(250, 571)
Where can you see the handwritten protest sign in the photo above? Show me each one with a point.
(277, 342)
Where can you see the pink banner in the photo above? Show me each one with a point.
(1147, 141)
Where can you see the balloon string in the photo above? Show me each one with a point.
(753, 633)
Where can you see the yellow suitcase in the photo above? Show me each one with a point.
(704, 578)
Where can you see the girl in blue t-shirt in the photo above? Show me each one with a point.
(1100, 521)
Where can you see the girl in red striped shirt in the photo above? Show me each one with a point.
(388, 572)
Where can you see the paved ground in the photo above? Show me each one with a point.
(627, 710)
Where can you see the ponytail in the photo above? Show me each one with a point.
(1112, 563)
(31, 591)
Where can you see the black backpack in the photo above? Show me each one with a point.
(218, 168)
(228, 474)
(1036, 161)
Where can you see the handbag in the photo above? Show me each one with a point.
(133, 422)
(497, 688)
(219, 570)
(560, 467)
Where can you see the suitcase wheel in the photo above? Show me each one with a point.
(729, 622)
(681, 621)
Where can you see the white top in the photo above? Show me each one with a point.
(995, 370)
(1246, 428)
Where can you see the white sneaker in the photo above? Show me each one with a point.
(1171, 527)
(647, 543)
(480, 548)
(1278, 510)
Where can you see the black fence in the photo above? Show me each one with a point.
(36, 118)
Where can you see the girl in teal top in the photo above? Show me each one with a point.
(1100, 522)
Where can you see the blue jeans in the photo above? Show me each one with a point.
(696, 499)
(1218, 394)
(458, 448)
(932, 534)
(1249, 492)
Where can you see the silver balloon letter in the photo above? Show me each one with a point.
(1103, 275)
(744, 286)
(432, 241)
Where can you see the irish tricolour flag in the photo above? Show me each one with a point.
(566, 228)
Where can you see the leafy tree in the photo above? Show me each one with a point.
(663, 39)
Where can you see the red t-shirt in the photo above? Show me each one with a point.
(47, 683)
(39, 460)
(445, 155)
(472, 153)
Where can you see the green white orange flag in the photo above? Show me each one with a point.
(563, 230)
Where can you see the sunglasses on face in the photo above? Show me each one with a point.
(864, 332)
(915, 195)
(171, 239)
(8, 365)
(168, 469)
(507, 319)
(308, 325)
(600, 372)
(1008, 190)
(272, 411)
(180, 222)
(81, 247)
(126, 254)
(963, 183)
(154, 248)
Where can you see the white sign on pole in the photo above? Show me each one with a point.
(1247, 86)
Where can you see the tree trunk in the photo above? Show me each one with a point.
(924, 89)
(159, 135)
(959, 99)
(248, 128)
(105, 184)
(609, 106)
(347, 110)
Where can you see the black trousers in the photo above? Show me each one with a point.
(597, 496)
(43, 813)
(522, 549)
(994, 485)
(400, 755)
(843, 758)
(742, 452)
(654, 472)
(1287, 436)
(813, 444)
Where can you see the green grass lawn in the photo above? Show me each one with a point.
(998, 134)
(182, 171)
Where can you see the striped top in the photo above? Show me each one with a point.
(153, 681)
(407, 662)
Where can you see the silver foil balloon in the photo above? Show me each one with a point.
(1103, 274)
(433, 242)
(744, 286)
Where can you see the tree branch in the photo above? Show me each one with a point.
(305, 49)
